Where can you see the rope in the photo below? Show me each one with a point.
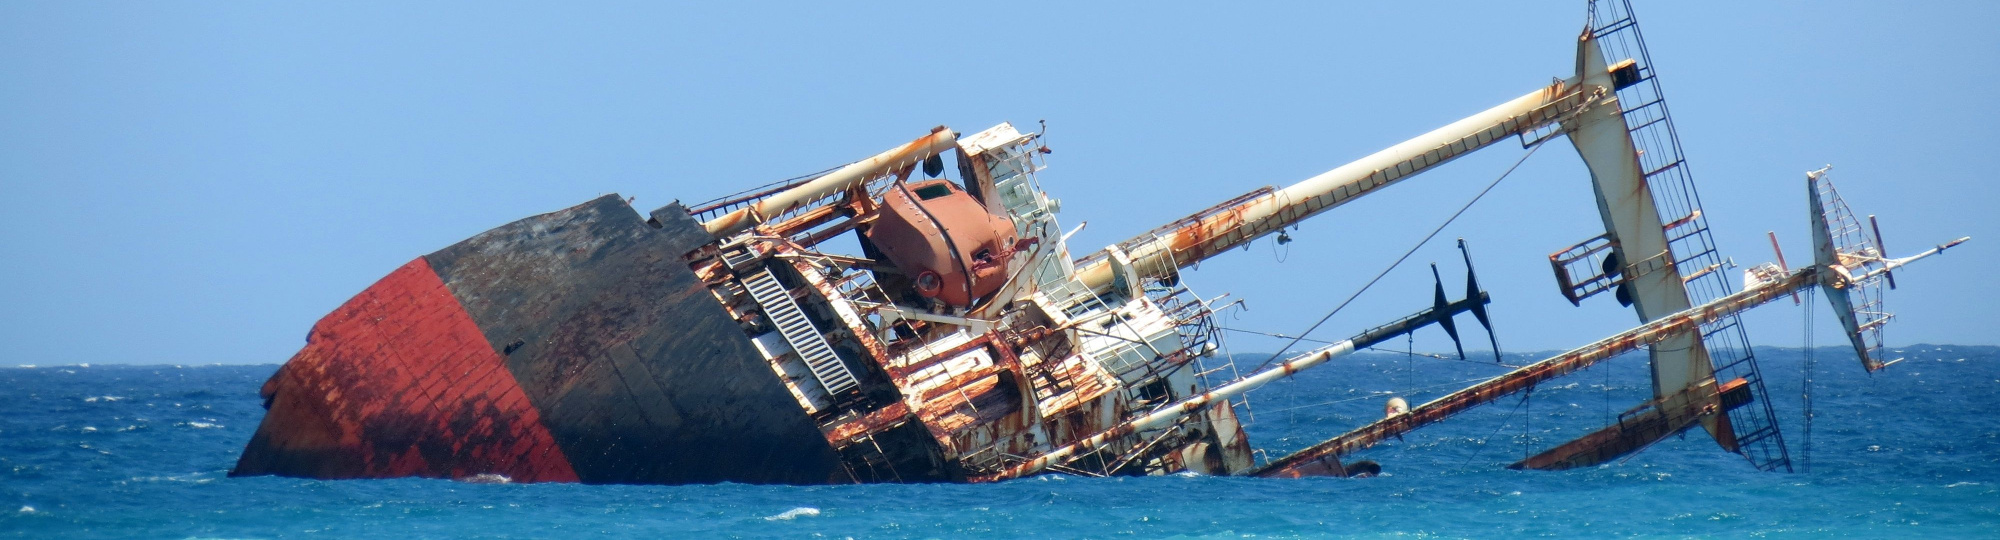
(1527, 422)
(1409, 392)
(1406, 255)
(1805, 394)
(1496, 431)
(1607, 393)
(1410, 354)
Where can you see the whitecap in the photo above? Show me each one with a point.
(487, 478)
(201, 425)
(793, 514)
(1962, 484)
(189, 478)
(103, 398)
(88, 429)
(27, 509)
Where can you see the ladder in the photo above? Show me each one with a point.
(1693, 247)
(799, 332)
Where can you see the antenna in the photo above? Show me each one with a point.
(1473, 295)
(1472, 291)
(1440, 304)
(1782, 267)
(1858, 267)
(1877, 229)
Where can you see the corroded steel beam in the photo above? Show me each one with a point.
(1184, 242)
(1656, 420)
(939, 140)
(1527, 377)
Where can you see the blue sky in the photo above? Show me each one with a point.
(198, 182)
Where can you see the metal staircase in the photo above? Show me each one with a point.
(791, 321)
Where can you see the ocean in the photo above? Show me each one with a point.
(143, 451)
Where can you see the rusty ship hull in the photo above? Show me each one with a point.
(727, 342)
(556, 348)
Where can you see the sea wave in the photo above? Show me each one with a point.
(794, 513)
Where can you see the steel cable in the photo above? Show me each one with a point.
(1406, 255)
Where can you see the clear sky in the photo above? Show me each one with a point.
(187, 182)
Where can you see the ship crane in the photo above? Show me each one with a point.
(1655, 253)
(1848, 267)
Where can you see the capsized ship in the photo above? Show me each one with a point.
(729, 341)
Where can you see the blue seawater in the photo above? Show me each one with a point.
(116, 451)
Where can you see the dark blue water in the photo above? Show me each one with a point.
(141, 451)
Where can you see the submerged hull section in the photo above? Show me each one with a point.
(571, 346)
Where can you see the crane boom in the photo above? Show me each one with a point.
(1162, 252)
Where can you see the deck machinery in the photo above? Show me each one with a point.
(960, 340)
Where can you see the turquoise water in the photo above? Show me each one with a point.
(113, 451)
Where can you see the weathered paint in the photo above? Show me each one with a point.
(900, 157)
(1160, 253)
(1632, 223)
(946, 239)
(1645, 425)
(396, 382)
(595, 324)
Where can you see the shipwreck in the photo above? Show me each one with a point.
(965, 342)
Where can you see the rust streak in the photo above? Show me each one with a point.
(879, 420)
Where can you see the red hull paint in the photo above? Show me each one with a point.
(399, 381)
